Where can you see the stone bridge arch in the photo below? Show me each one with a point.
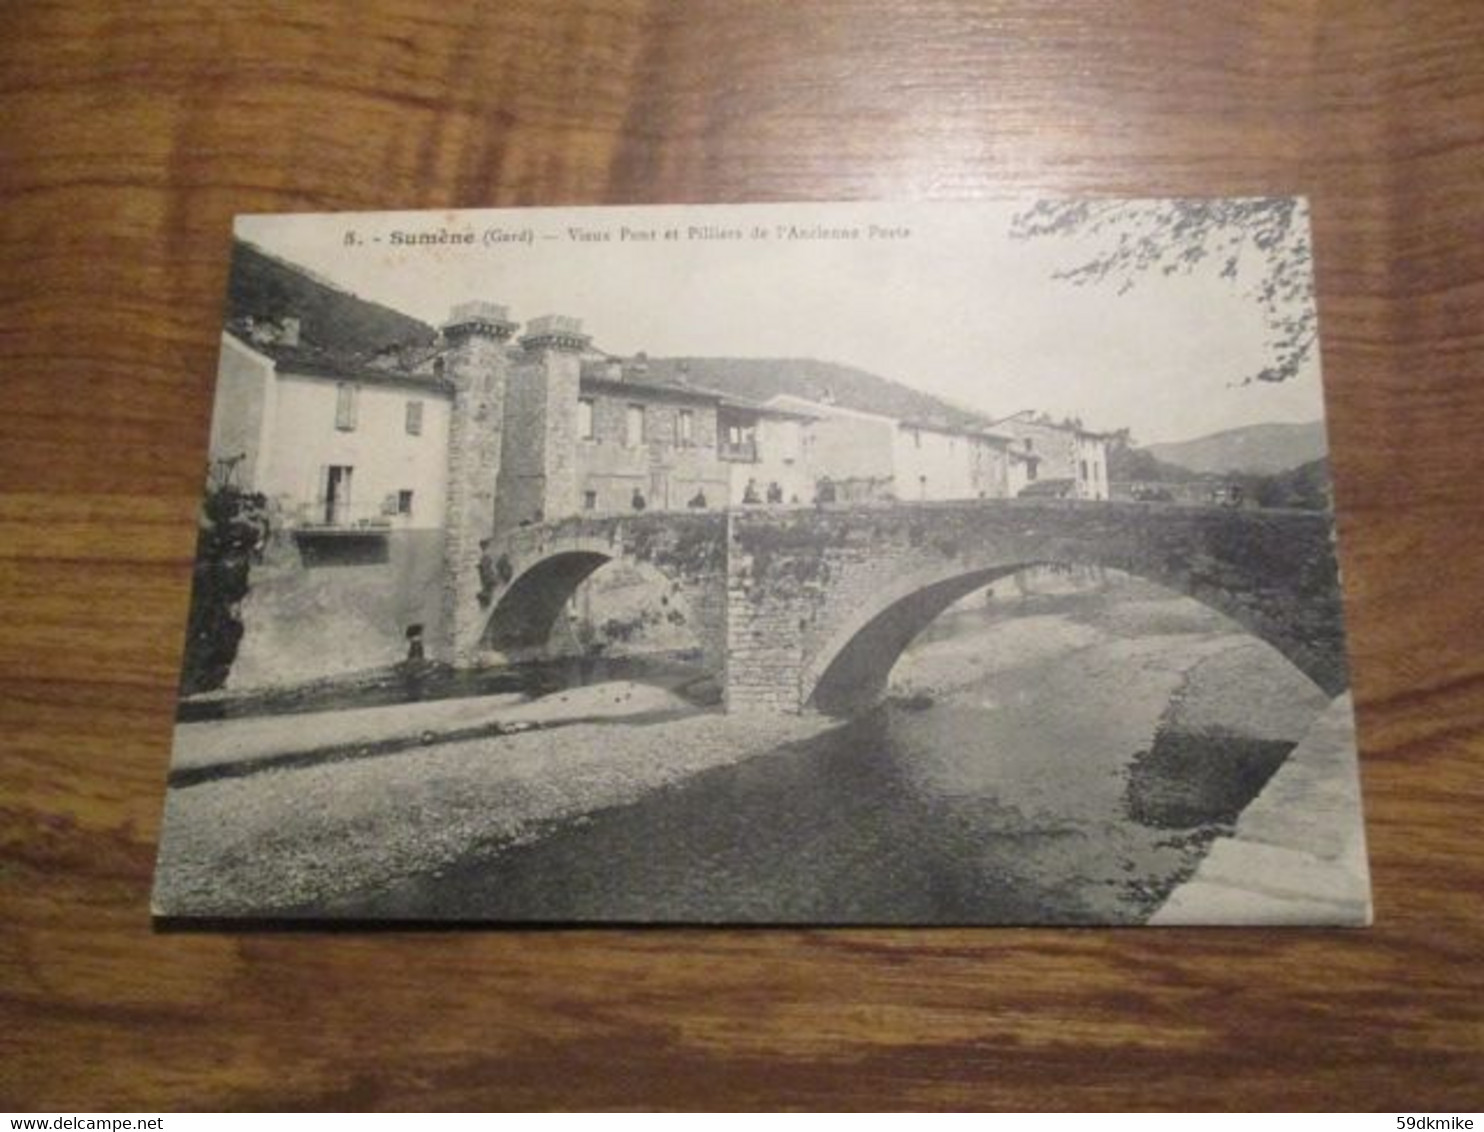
(824, 604)
(525, 610)
(851, 667)
(546, 563)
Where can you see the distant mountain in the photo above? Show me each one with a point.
(757, 379)
(262, 286)
(1258, 449)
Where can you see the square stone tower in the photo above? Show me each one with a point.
(538, 464)
(476, 362)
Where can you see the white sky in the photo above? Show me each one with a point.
(957, 309)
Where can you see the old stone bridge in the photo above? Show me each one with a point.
(809, 608)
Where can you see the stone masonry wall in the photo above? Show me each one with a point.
(331, 608)
(538, 465)
(561, 378)
(774, 587)
(522, 463)
(611, 468)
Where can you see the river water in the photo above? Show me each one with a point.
(1062, 751)
(417, 682)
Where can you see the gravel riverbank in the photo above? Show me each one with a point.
(283, 839)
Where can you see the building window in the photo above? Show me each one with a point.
(685, 428)
(634, 426)
(1030, 445)
(917, 438)
(739, 444)
(336, 494)
(585, 419)
(345, 407)
(1030, 470)
(414, 418)
(589, 500)
(1085, 475)
(404, 502)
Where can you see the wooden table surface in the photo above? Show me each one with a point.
(129, 136)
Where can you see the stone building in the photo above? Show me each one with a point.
(852, 449)
(353, 461)
(871, 456)
(1072, 462)
(768, 453)
(642, 441)
(335, 445)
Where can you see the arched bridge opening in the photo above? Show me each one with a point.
(644, 583)
(526, 612)
(851, 668)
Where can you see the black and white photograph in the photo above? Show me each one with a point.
(910, 564)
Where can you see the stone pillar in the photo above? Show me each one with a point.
(765, 620)
(475, 363)
(539, 469)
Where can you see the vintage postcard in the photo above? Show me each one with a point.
(794, 563)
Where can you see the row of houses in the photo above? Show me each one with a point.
(339, 444)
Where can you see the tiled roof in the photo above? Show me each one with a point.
(639, 386)
(667, 381)
(308, 360)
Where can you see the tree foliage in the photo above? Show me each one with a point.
(232, 531)
(1260, 243)
(1306, 487)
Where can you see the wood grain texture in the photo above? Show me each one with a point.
(130, 135)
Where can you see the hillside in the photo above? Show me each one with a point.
(1259, 449)
(757, 379)
(334, 320)
(1126, 464)
(263, 286)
